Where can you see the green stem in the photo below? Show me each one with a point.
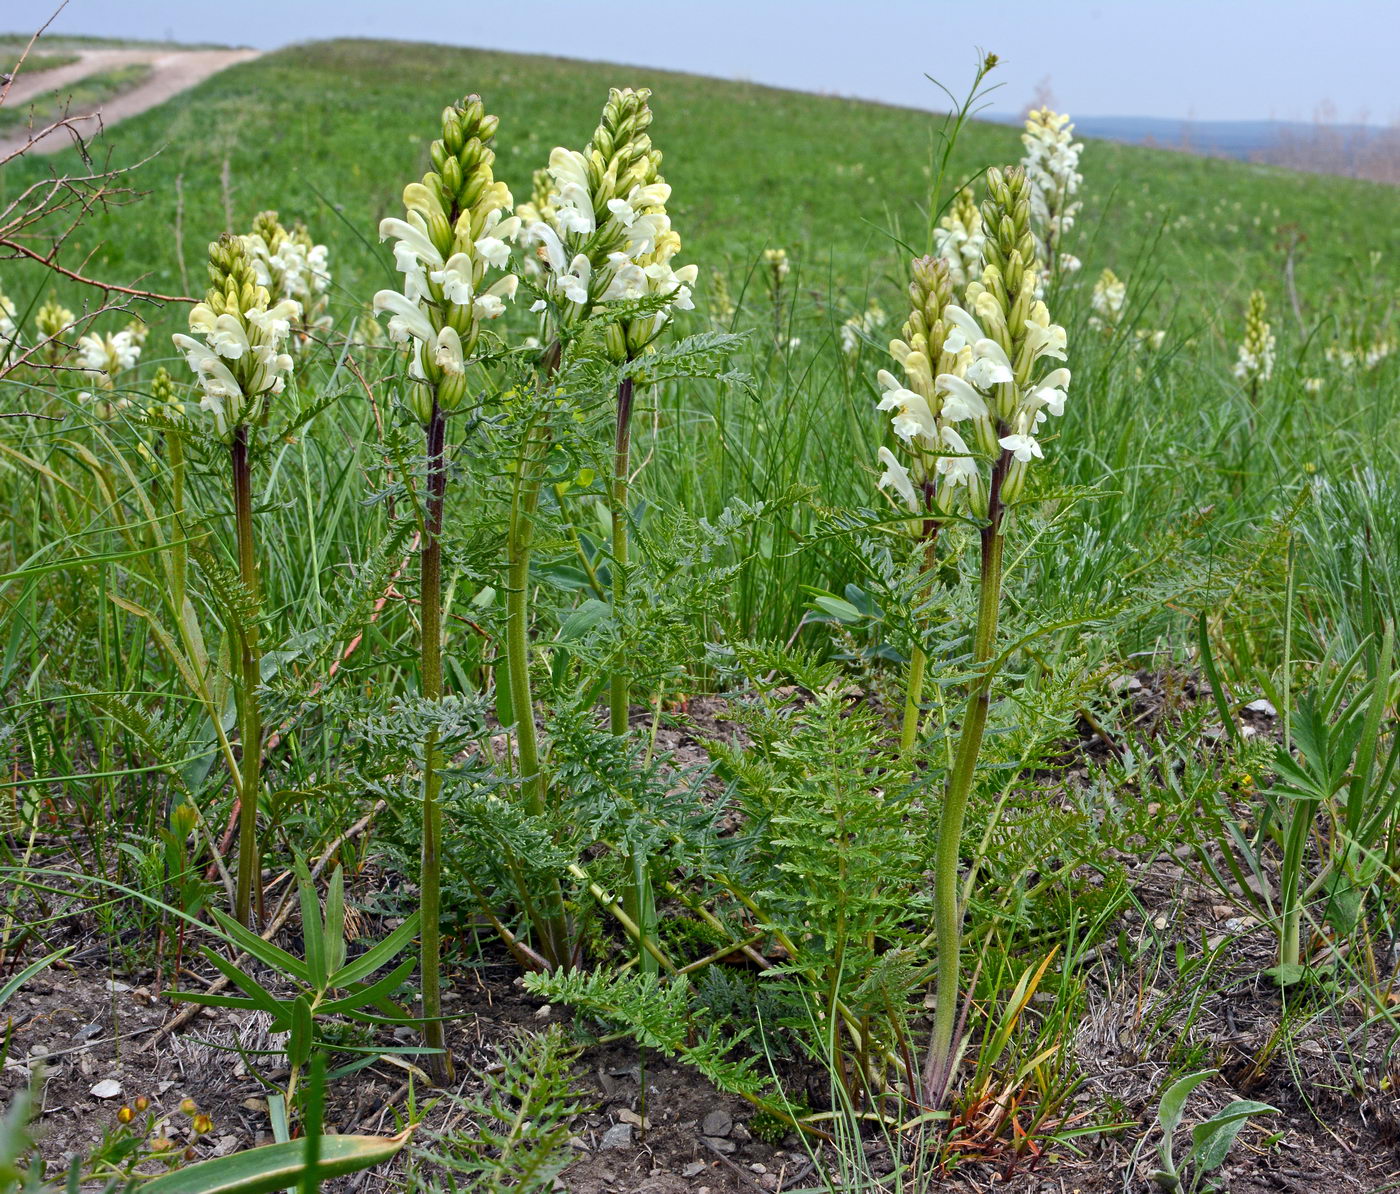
(947, 908)
(918, 665)
(249, 887)
(439, 1064)
(552, 921)
(175, 450)
(913, 704)
(622, 451)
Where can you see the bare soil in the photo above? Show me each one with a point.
(172, 71)
(1332, 1077)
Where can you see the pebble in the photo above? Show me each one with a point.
(1266, 707)
(717, 1123)
(628, 1116)
(108, 1088)
(721, 1145)
(694, 1169)
(617, 1136)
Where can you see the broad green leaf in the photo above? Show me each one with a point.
(265, 952)
(303, 1034)
(1211, 1140)
(1173, 1102)
(335, 921)
(842, 611)
(376, 956)
(277, 1166)
(313, 932)
(371, 995)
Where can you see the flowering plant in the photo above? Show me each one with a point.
(455, 233)
(1052, 168)
(239, 356)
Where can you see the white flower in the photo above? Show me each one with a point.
(492, 304)
(912, 414)
(989, 365)
(1050, 392)
(493, 250)
(447, 351)
(960, 401)
(965, 330)
(1023, 447)
(407, 317)
(415, 249)
(455, 278)
(896, 477)
(1045, 339)
(960, 468)
(573, 282)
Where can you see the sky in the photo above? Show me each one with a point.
(1188, 59)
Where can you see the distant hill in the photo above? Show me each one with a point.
(1357, 150)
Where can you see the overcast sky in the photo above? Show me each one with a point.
(1197, 59)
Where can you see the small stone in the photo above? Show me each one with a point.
(628, 1116)
(578, 1143)
(543, 1013)
(721, 1145)
(617, 1136)
(108, 1088)
(717, 1123)
(769, 1181)
(87, 1032)
(116, 988)
(694, 1169)
(405, 1032)
(1263, 706)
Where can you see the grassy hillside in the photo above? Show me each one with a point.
(346, 121)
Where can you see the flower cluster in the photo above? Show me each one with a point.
(599, 225)
(1108, 301)
(238, 358)
(975, 388)
(456, 232)
(1052, 166)
(1361, 355)
(959, 238)
(290, 265)
(778, 267)
(860, 327)
(1256, 356)
(102, 358)
(9, 330)
(52, 319)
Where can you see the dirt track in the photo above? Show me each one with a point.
(172, 71)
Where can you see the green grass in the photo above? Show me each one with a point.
(78, 98)
(36, 63)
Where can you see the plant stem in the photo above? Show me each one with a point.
(913, 704)
(249, 888)
(622, 451)
(439, 1064)
(552, 923)
(918, 665)
(175, 451)
(947, 909)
